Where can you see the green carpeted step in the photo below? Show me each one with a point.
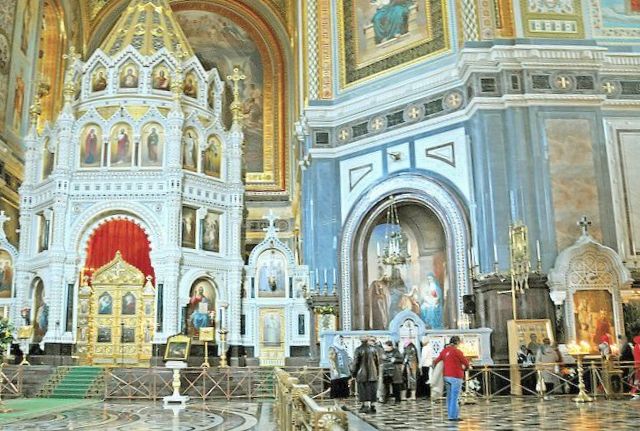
(76, 383)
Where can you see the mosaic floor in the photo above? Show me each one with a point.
(509, 414)
(148, 416)
(502, 415)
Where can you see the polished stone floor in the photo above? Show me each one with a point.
(526, 414)
(502, 414)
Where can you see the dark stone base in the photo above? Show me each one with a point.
(494, 309)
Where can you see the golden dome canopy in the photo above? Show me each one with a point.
(148, 26)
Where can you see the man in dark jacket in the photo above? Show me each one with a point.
(365, 370)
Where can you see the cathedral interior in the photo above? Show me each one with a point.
(168, 230)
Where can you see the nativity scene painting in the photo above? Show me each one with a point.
(420, 283)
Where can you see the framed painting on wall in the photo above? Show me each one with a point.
(593, 314)
(378, 35)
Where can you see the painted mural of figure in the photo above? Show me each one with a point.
(200, 315)
(161, 81)
(105, 304)
(152, 145)
(190, 88)
(400, 299)
(130, 79)
(100, 82)
(411, 360)
(603, 329)
(18, 102)
(91, 147)
(122, 146)
(271, 329)
(391, 19)
(379, 300)
(26, 25)
(211, 233)
(42, 318)
(188, 151)
(339, 368)
(431, 306)
(129, 304)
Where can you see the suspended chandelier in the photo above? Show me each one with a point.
(394, 251)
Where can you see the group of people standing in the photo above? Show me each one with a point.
(380, 371)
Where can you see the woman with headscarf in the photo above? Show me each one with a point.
(339, 368)
(411, 368)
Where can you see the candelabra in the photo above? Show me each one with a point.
(579, 352)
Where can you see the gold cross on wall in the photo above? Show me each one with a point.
(377, 124)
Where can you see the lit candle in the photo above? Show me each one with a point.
(325, 276)
(317, 277)
(495, 253)
(335, 280)
(378, 248)
(311, 277)
(538, 254)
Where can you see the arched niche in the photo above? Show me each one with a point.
(435, 221)
(591, 281)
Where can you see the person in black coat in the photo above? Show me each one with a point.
(366, 367)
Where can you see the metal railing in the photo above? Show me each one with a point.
(10, 381)
(295, 409)
(207, 383)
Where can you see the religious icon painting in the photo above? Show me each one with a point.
(121, 146)
(18, 102)
(128, 304)
(99, 79)
(11, 226)
(90, 146)
(191, 85)
(212, 157)
(105, 304)
(129, 76)
(593, 313)
(41, 315)
(152, 145)
(178, 347)
(128, 335)
(271, 274)
(377, 35)
(28, 15)
(190, 149)
(210, 232)
(6, 274)
(202, 306)
(161, 79)
(104, 335)
(188, 227)
(48, 159)
(271, 326)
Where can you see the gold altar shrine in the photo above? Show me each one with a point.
(116, 316)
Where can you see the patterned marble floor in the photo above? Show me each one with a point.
(148, 416)
(509, 414)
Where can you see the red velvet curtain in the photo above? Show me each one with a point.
(123, 235)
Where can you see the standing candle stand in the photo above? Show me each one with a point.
(579, 351)
(320, 302)
(223, 353)
(206, 335)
